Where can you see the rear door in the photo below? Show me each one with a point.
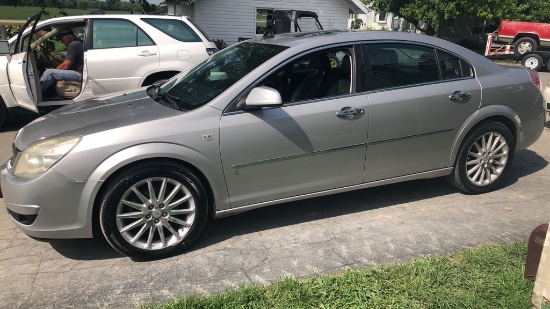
(119, 54)
(420, 98)
(22, 71)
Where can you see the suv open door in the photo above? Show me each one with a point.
(22, 70)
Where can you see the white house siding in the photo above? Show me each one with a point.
(181, 10)
(230, 19)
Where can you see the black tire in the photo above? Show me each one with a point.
(532, 61)
(548, 64)
(492, 164)
(3, 113)
(140, 232)
(525, 45)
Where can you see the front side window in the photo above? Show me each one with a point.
(118, 33)
(213, 76)
(176, 29)
(316, 75)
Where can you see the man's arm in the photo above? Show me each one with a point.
(65, 65)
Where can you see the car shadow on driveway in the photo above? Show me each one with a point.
(525, 163)
(347, 203)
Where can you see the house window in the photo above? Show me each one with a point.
(381, 17)
(263, 20)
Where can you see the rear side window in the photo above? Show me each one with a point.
(176, 29)
(118, 33)
(453, 67)
(396, 65)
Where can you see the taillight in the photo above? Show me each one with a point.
(535, 77)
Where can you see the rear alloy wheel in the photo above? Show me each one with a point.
(533, 62)
(153, 210)
(525, 45)
(484, 159)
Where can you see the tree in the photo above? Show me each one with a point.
(426, 15)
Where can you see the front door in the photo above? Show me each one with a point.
(22, 71)
(314, 142)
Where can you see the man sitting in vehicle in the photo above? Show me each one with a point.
(71, 68)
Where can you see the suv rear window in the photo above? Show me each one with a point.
(176, 29)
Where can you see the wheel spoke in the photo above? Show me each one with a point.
(138, 235)
(130, 215)
(132, 204)
(150, 237)
(494, 170)
(178, 221)
(151, 190)
(182, 211)
(171, 229)
(474, 169)
(478, 147)
(143, 199)
(180, 201)
(173, 194)
(162, 190)
(495, 143)
(483, 143)
(500, 146)
(132, 226)
(161, 234)
(475, 154)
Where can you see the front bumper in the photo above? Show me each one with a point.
(48, 206)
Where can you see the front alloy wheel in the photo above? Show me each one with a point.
(484, 159)
(155, 213)
(153, 210)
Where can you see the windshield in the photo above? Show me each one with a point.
(208, 79)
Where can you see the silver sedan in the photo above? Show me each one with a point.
(264, 122)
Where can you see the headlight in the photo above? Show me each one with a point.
(39, 157)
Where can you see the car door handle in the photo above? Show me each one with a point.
(459, 96)
(147, 53)
(348, 112)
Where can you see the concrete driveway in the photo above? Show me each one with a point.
(323, 235)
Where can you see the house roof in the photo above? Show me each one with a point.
(357, 6)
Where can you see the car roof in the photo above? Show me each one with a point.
(315, 39)
(113, 16)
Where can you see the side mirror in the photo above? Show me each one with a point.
(4, 47)
(263, 97)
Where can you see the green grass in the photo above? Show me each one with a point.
(489, 276)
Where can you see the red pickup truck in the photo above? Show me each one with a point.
(526, 36)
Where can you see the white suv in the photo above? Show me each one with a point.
(121, 52)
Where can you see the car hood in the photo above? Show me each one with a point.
(94, 115)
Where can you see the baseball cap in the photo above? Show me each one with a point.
(60, 35)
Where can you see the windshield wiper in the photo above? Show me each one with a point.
(157, 95)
